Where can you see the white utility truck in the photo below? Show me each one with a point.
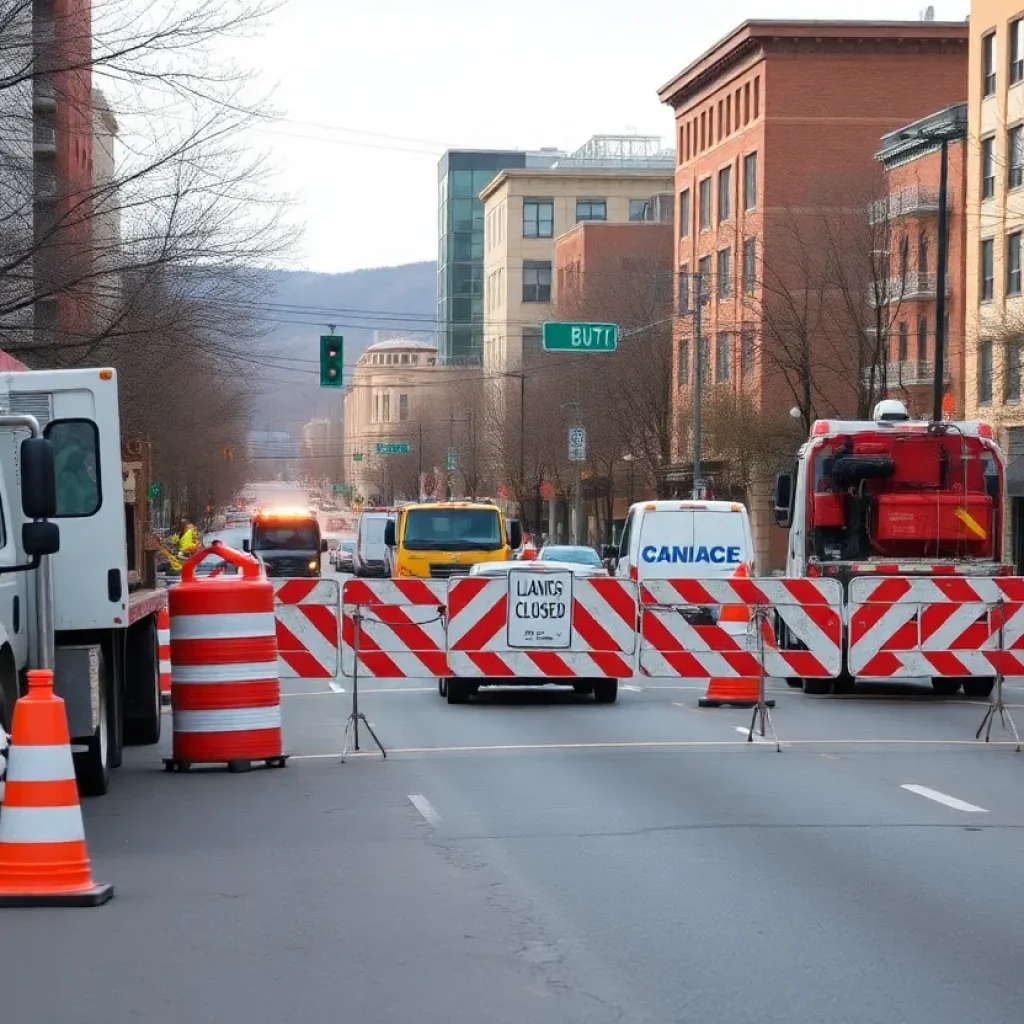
(88, 610)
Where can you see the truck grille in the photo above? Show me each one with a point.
(443, 571)
(288, 567)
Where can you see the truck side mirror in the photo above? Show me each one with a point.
(389, 533)
(40, 538)
(515, 534)
(38, 480)
(609, 551)
(782, 500)
(246, 546)
(323, 546)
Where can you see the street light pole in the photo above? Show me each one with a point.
(940, 282)
(698, 368)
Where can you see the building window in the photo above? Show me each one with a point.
(1016, 50)
(684, 213)
(637, 209)
(703, 279)
(922, 344)
(988, 65)
(538, 218)
(988, 168)
(403, 407)
(747, 350)
(728, 116)
(1013, 263)
(749, 265)
(746, 103)
(722, 357)
(705, 204)
(985, 372)
(684, 289)
(385, 407)
(724, 194)
(591, 209)
(902, 350)
(750, 182)
(987, 270)
(703, 135)
(536, 281)
(724, 269)
(1015, 157)
(1012, 357)
(922, 253)
(904, 257)
(757, 97)
(684, 363)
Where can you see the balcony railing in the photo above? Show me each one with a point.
(44, 96)
(905, 373)
(44, 140)
(914, 286)
(909, 202)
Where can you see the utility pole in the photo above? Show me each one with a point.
(940, 281)
(698, 371)
(522, 447)
(419, 463)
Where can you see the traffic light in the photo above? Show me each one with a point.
(330, 361)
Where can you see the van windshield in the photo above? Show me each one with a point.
(280, 536)
(460, 529)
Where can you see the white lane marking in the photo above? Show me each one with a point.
(337, 687)
(942, 798)
(426, 809)
(631, 687)
(746, 732)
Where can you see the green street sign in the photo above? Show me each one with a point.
(341, 488)
(357, 456)
(154, 491)
(451, 460)
(394, 448)
(571, 337)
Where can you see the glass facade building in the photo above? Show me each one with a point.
(461, 176)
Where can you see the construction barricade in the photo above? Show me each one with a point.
(225, 692)
(163, 640)
(306, 614)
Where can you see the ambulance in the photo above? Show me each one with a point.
(684, 539)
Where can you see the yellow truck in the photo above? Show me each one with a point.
(437, 540)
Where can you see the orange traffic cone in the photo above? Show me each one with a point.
(738, 691)
(43, 858)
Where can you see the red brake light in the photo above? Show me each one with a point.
(821, 427)
(984, 430)
(813, 571)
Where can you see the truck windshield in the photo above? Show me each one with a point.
(300, 536)
(459, 529)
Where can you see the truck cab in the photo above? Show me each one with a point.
(287, 541)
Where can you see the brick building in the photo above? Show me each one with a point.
(912, 157)
(777, 126)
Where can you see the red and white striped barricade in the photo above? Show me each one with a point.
(225, 693)
(541, 623)
(401, 628)
(939, 626)
(675, 642)
(307, 613)
(163, 640)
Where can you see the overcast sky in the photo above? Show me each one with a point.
(374, 93)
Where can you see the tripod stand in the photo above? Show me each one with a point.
(998, 705)
(355, 715)
(762, 714)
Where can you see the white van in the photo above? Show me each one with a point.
(695, 539)
(370, 557)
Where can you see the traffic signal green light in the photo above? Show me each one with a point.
(331, 373)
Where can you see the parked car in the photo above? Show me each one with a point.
(343, 556)
(577, 554)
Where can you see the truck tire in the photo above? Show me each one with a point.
(458, 691)
(606, 690)
(980, 688)
(945, 687)
(94, 764)
(143, 707)
(818, 687)
(442, 686)
(583, 688)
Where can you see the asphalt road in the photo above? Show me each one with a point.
(534, 857)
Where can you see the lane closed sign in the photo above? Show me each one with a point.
(540, 608)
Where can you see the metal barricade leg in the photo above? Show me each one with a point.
(997, 705)
(355, 715)
(762, 715)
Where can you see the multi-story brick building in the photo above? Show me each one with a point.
(909, 212)
(777, 126)
(995, 227)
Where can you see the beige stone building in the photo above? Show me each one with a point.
(525, 210)
(995, 227)
(394, 392)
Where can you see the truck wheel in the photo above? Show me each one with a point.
(980, 688)
(606, 690)
(143, 717)
(818, 687)
(93, 765)
(442, 686)
(795, 681)
(584, 688)
(458, 691)
(945, 687)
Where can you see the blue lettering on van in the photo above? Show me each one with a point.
(717, 554)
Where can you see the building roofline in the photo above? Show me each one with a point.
(747, 33)
(597, 173)
(924, 135)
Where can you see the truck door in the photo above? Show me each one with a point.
(14, 607)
